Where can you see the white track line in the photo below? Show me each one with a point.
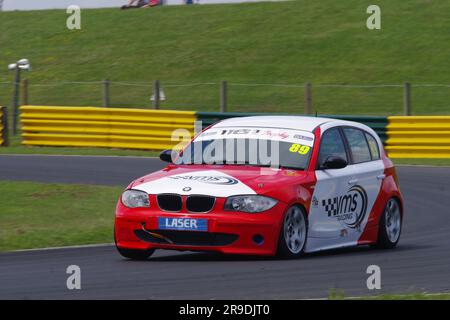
(422, 165)
(66, 247)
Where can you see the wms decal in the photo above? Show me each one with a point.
(350, 209)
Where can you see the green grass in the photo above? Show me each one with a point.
(77, 151)
(36, 215)
(286, 42)
(20, 149)
(422, 162)
(412, 296)
(16, 147)
(339, 295)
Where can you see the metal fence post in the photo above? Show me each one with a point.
(223, 96)
(308, 98)
(106, 93)
(15, 101)
(4, 134)
(156, 94)
(24, 92)
(407, 99)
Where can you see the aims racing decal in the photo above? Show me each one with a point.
(208, 182)
(350, 209)
(222, 180)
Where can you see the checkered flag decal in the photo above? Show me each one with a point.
(330, 206)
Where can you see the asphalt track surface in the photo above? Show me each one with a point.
(421, 262)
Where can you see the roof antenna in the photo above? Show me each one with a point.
(316, 113)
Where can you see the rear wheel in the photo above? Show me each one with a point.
(135, 254)
(390, 225)
(293, 233)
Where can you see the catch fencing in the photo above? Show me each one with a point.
(232, 96)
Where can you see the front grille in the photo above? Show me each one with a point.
(192, 238)
(200, 203)
(169, 202)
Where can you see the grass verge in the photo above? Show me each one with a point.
(35, 215)
(16, 147)
(423, 162)
(411, 296)
(339, 295)
(78, 151)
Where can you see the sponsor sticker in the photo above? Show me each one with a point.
(187, 224)
(221, 180)
(349, 209)
(275, 134)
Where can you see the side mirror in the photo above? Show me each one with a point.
(166, 155)
(333, 162)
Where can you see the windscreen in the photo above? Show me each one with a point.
(264, 147)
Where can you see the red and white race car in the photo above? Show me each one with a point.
(266, 185)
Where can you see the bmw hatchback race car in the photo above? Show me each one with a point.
(266, 185)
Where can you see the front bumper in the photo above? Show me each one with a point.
(228, 232)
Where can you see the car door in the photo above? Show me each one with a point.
(366, 179)
(329, 196)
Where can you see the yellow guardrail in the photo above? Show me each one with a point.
(418, 137)
(103, 127)
(3, 127)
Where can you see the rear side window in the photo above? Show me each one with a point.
(331, 144)
(358, 145)
(373, 146)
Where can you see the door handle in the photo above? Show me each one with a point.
(352, 181)
(381, 176)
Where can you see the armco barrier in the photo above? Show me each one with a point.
(418, 137)
(376, 123)
(128, 128)
(3, 127)
(103, 127)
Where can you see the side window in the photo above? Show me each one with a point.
(358, 145)
(331, 144)
(373, 145)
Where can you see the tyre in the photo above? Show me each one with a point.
(293, 233)
(390, 225)
(135, 254)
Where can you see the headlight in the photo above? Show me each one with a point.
(250, 204)
(135, 199)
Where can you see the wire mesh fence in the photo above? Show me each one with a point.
(358, 99)
(430, 99)
(364, 99)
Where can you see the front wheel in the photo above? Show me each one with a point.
(293, 233)
(135, 254)
(390, 225)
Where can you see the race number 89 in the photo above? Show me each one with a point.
(300, 149)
